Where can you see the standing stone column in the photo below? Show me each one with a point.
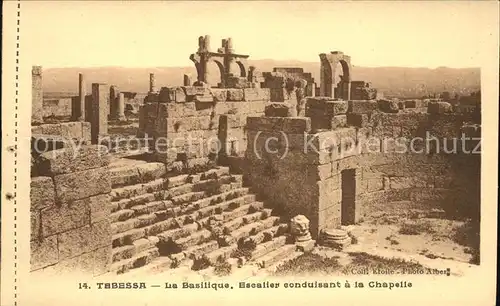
(113, 101)
(100, 102)
(36, 95)
(152, 83)
(120, 109)
(82, 92)
(187, 80)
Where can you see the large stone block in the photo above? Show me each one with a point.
(235, 95)
(339, 121)
(280, 110)
(99, 207)
(171, 94)
(102, 260)
(219, 94)
(75, 242)
(35, 225)
(326, 106)
(81, 264)
(288, 125)
(44, 253)
(175, 110)
(82, 184)
(362, 107)
(70, 160)
(256, 94)
(42, 192)
(68, 216)
(388, 106)
(439, 108)
(100, 234)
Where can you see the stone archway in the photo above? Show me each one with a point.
(224, 57)
(330, 86)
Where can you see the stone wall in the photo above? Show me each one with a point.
(70, 230)
(300, 172)
(204, 115)
(57, 107)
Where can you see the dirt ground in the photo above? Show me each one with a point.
(431, 237)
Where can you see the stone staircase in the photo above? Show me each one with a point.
(191, 220)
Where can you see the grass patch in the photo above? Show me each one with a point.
(416, 228)
(314, 263)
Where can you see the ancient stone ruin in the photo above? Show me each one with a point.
(250, 171)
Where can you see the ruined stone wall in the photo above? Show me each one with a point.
(301, 170)
(178, 114)
(70, 230)
(57, 107)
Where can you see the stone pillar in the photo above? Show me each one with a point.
(120, 111)
(82, 92)
(113, 101)
(36, 95)
(100, 102)
(187, 80)
(152, 82)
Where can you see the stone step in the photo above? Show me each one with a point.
(134, 174)
(253, 228)
(195, 252)
(269, 246)
(137, 246)
(187, 197)
(138, 200)
(128, 237)
(157, 265)
(215, 173)
(137, 189)
(178, 233)
(135, 261)
(196, 238)
(274, 256)
(221, 253)
(266, 234)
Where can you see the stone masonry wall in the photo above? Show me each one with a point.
(70, 230)
(301, 170)
(203, 115)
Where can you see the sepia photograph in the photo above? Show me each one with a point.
(254, 141)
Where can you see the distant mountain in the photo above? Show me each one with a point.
(392, 81)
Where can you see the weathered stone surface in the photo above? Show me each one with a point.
(101, 260)
(287, 125)
(70, 160)
(234, 94)
(439, 108)
(219, 94)
(388, 106)
(280, 110)
(339, 121)
(172, 94)
(100, 234)
(35, 225)
(358, 120)
(99, 207)
(175, 110)
(82, 264)
(326, 106)
(362, 107)
(44, 253)
(256, 94)
(82, 184)
(74, 242)
(42, 192)
(66, 217)
(299, 227)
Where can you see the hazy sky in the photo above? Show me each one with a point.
(152, 34)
